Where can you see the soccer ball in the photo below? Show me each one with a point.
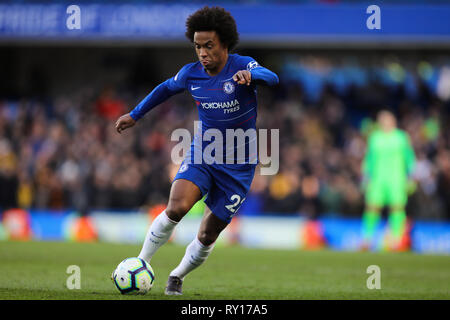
(133, 276)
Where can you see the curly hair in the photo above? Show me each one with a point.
(213, 19)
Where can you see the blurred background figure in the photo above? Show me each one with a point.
(387, 168)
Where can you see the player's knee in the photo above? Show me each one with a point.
(177, 209)
(207, 237)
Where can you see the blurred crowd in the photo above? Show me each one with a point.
(64, 152)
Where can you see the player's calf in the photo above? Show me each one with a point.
(158, 234)
(210, 228)
(176, 210)
(196, 253)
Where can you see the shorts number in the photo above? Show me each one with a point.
(237, 203)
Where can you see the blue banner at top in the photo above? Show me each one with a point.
(265, 22)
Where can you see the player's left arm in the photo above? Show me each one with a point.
(409, 155)
(255, 74)
(410, 161)
(367, 163)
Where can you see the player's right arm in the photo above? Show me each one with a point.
(158, 95)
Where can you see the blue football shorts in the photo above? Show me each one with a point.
(225, 187)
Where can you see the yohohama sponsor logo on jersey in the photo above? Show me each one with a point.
(227, 106)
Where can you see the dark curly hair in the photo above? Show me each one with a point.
(213, 19)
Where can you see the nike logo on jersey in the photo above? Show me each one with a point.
(194, 88)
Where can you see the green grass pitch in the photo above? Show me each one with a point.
(37, 270)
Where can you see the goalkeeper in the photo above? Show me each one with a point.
(387, 165)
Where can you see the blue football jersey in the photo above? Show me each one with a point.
(222, 104)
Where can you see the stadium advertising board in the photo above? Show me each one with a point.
(268, 232)
(282, 23)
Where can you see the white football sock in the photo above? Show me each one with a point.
(196, 254)
(159, 233)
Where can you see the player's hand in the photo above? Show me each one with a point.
(411, 186)
(243, 77)
(124, 122)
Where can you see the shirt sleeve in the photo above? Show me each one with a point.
(260, 74)
(161, 93)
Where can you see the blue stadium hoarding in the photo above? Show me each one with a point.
(266, 231)
(291, 23)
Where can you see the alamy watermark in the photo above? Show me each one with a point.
(374, 280)
(374, 20)
(234, 146)
(73, 21)
(74, 279)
